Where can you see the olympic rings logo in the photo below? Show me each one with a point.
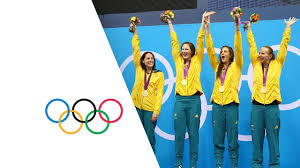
(81, 121)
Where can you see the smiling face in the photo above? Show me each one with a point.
(187, 50)
(226, 55)
(264, 55)
(148, 61)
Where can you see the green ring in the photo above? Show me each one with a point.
(87, 127)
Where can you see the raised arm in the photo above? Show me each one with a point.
(238, 49)
(136, 49)
(200, 43)
(285, 41)
(200, 38)
(174, 40)
(171, 28)
(209, 46)
(252, 44)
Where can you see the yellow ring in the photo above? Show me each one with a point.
(59, 122)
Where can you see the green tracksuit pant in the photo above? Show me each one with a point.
(225, 120)
(187, 114)
(149, 126)
(265, 117)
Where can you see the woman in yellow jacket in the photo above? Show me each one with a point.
(265, 114)
(148, 88)
(187, 93)
(225, 96)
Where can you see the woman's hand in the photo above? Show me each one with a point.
(168, 19)
(248, 25)
(154, 117)
(206, 19)
(237, 22)
(206, 15)
(290, 22)
(133, 27)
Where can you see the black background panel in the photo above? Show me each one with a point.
(133, 6)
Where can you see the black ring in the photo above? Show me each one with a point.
(73, 108)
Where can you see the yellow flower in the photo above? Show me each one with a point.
(171, 14)
(133, 19)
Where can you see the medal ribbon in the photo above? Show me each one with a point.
(265, 75)
(223, 76)
(186, 69)
(147, 82)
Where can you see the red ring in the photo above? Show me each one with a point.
(120, 113)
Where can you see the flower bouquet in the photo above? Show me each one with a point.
(133, 22)
(164, 16)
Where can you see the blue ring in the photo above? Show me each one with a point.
(46, 110)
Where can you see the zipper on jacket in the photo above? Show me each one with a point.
(222, 99)
(142, 102)
(265, 98)
(187, 85)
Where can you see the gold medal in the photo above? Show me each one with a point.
(184, 82)
(221, 89)
(145, 93)
(263, 90)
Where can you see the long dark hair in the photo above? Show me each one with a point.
(143, 57)
(221, 65)
(192, 47)
(271, 51)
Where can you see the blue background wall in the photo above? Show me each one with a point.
(157, 39)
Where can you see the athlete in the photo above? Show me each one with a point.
(225, 96)
(188, 62)
(148, 88)
(265, 114)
